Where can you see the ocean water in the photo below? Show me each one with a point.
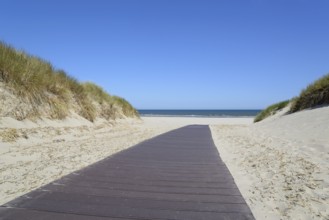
(199, 113)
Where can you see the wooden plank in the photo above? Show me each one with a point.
(59, 197)
(177, 175)
(27, 214)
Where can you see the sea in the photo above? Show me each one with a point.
(200, 113)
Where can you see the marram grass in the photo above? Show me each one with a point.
(315, 94)
(42, 86)
(271, 110)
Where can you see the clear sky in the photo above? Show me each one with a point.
(178, 54)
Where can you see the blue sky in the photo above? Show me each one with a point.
(178, 54)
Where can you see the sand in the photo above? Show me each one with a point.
(33, 154)
(281, 165)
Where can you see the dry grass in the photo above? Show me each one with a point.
(109, 104)
(315, 94)
(126, 107)
(271, 110)
(36, 82)
(9, 135)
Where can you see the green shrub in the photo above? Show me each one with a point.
(314, 95)
(271, 110)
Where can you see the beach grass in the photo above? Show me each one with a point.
(104, 101)
(316, 94)
(271, 110)
(42, 87)
(9, 135)
(126, 107)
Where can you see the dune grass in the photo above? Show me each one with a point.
(42, 86)
(102, 100)
(9, 135)
(271, 110)
(126, 107)
(315, 94)
(108, 103)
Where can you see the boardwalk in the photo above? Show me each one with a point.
(177, 175)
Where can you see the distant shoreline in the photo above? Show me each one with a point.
(193, 116)
(200, 113)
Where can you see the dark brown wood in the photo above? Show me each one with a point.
(175, 176)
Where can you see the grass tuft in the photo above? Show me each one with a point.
(109, 105)
(271, 110)
(9, 135)
(97, 93)
(126, 107)
(315, 94)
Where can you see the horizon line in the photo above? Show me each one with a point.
(199, 109)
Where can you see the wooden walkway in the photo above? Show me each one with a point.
(174, 176)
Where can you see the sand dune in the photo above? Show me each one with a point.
(281, 165)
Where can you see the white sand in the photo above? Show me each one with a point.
(47, 150)
(281, 165)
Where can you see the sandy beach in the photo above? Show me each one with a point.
(38, 153)
(281, 165)
(80, 83)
